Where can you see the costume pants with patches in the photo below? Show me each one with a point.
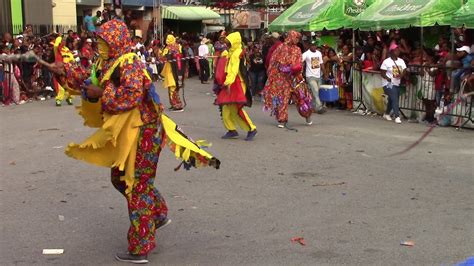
(175, 100)
(233, 114)
(146, 206)
(61, 93)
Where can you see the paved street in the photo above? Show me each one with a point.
(331, 184)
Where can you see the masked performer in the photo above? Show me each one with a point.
(171, 70)
(285, 82)
(232, 94)
(61, 93)
(122, 103)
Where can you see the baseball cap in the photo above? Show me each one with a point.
(465, 48)
(89, 40)
(393, 46)
(275, 35)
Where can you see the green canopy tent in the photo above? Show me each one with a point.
(316, 15)
(465, 16)
(339, 14)
(398, 14)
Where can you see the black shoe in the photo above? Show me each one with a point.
(251, 135)
(163, 223)
(231, 134)
(127, 257)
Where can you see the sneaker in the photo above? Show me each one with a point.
(163, 223)
(41, 98)
(127, 257)
(387, 117)
(174, 110)
(58, 103)
(398, 120)
(309, 122)
(69, 101)
(281, 125)
(21, 102)
(232, 134)
(251, 135)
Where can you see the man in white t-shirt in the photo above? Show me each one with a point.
(393, 70)
(313, 60)
(203, 52)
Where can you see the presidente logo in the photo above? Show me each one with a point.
(307, 11)
(354, 7)
(404, 7)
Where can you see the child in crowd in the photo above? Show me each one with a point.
(428, 85)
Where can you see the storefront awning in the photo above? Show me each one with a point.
(89, 2)
(133, 3)
(398, 14)
(188, 13)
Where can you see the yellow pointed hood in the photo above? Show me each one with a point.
(235, 41)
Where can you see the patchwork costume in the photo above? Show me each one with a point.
(132, 130)
(285, 81)
(172, 54)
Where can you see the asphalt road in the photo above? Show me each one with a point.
(331, 184)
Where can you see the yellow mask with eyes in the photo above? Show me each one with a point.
(103, 48)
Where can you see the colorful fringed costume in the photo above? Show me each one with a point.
(132, 130)
(285, 81)
(61, 93)
(172, 54)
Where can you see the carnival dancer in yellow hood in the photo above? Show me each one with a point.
(132, 130)
(233, 94)
(170, 72)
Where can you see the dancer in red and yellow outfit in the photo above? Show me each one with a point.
(172, 54)
(132, 131)
(285, 81)
(233, 94)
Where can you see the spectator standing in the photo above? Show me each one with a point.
(191, 66)
(87, 53)
(313, 60)
(393, 70)
(465, 57)
(257, 72)
(210, 59)
(441, 79)
(203, 62)
(276, 42)
(89, 22)
(428, 86)
(97, 19)
(345, 78)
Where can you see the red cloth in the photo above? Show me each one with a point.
(220, 70)
(296, 68)
(368, 64)
(236, 95)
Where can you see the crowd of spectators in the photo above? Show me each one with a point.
(441, 69)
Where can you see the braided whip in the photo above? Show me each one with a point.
(443, 114)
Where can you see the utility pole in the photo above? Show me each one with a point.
(267, 10)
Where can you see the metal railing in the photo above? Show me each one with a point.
(418, 87)
(38, 29)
